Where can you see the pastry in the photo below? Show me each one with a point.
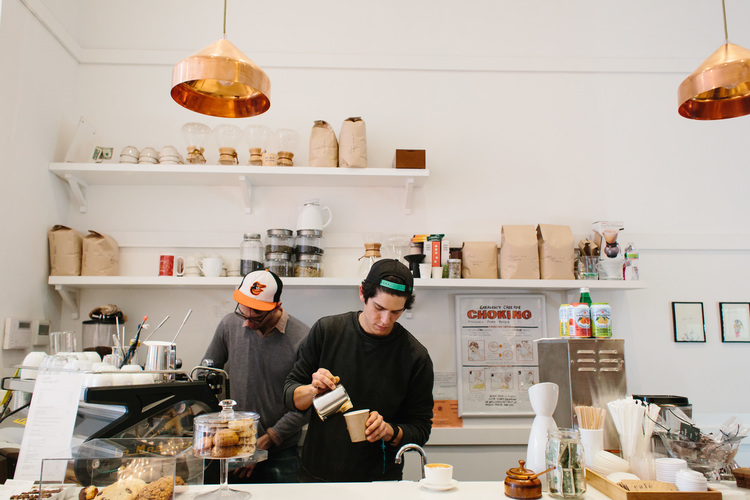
(88, 493)
(242, 425)
(125, 489)
(161, 489)
(225, 437)
(204, 444)
(224, 451)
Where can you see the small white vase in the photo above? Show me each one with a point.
(543, 399)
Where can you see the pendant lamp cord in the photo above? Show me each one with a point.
(723, 8)
(225, 19)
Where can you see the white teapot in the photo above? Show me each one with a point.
(311, 216)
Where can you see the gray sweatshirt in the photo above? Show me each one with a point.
(258, 367)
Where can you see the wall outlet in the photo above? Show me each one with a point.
(17, 333)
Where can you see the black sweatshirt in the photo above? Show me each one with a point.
(392, 375)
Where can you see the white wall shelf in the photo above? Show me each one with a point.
(70, 286)
(82, 175)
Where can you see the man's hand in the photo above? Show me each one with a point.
(377, 428)
(244, 472)
(322, 381)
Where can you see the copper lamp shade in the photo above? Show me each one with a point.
(719, 88)
(220, 80)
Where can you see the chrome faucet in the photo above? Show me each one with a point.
(412, 447)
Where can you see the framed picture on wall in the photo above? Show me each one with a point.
(689, 323)
(735, 321)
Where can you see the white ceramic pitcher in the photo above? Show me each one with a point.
(311, 216)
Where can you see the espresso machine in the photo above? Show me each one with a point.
(589, 372)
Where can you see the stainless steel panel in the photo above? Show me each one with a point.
(589, 372)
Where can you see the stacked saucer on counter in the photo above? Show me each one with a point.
(667, 468)
(690, 480)
(148, 155)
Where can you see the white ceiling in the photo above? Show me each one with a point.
(649, 33)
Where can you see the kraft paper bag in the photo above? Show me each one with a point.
(65, 246)
(101, 255)
(519, 256)
(324, 149)
(479, 259)
(556, 252)
(353, 143)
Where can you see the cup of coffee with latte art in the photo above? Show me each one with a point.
(438, 474)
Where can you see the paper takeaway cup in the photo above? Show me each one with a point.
(356, 422)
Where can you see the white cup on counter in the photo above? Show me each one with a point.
(211, 266)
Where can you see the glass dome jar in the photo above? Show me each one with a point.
(309, 265)
(226, 434)
(280, 263)
(279, 241)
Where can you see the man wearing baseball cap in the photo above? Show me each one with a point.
(257, 345)
(382, 367)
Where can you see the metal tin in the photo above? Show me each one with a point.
(601, 320)
(580, 320)
(564, 313)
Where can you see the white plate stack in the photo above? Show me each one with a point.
(667, 468)
(690, 480)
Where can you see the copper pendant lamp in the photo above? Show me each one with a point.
(720, 87)
(220, 80)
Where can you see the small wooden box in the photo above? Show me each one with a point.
(616, 492)
(409, 158)
(742, 475)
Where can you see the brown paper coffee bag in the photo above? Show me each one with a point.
(556, 252)
(324, 149)
(64, 251)
(479, 260)
(353, 143)
(101, 255)
(519, 256)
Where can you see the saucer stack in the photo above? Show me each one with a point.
(667, 468)
(170, 156)
(129, 154)
(148, 155)
(690, 480)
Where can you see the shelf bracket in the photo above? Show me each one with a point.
(78, 187)
(247, 193)
(69, 298)
(408, 194)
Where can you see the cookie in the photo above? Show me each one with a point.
(224, 451)
(88, 493)
(225, 437)
(161, 489)
(246, 433)
(242, 424)
(204, 444)
(246, 449)
(125, 489)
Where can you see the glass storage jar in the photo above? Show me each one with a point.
(564, 453)
(309, 241)
(279, 241)
(251, 254)
(280, 263)
(308, 265)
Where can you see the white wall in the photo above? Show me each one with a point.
(35, 108)
(565, 135)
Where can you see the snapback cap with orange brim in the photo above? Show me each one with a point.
(259, 290)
